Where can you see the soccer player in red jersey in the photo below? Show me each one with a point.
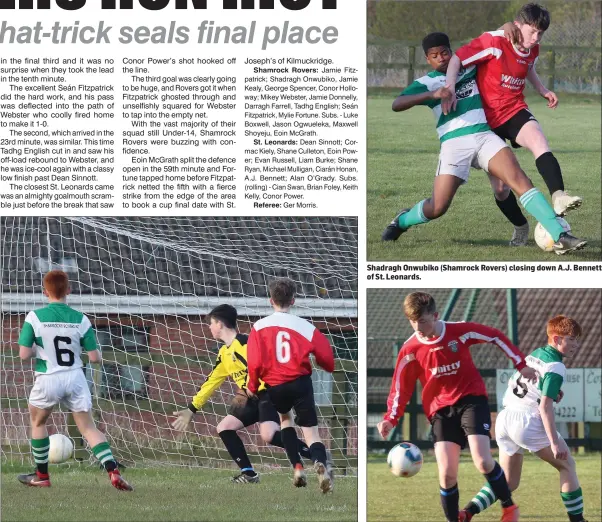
(454, 396)
(503, 68)
(278, 353)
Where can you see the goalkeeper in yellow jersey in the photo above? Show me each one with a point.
(245, 409)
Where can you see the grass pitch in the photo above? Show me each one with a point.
(85, 494)
(403, 151)
(417, 499)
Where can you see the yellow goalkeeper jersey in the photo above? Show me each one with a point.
(231, 362)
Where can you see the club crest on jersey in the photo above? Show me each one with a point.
(466, 90)
(453, 346)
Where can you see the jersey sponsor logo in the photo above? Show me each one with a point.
(453, 346)
(486, 426)
(447, 369)
(466, 90)
(511, 80)
(436, 349)
(518, 60)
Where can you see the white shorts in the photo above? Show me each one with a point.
(457, 155)
(70, 389)
(518, 430)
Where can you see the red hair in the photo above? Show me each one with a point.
(563, 326)
(56, 284)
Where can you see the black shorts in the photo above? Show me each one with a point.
(509, 130)
(469, 416)
(249, 411)
(297, 395)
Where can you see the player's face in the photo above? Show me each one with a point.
(426, 324)
(216, 328)
(567, 345)
(438, 58)
(531, 36)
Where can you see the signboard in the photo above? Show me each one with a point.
(593, 394)
(570, 409)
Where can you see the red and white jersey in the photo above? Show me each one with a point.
(501, 74)
(444, 367)
(278, 350)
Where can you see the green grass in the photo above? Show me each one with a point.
(85, 494)
(417, 498)
(402, 159)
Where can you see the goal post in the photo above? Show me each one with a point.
(147, 284)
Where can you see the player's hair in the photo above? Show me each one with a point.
(563, 325)
(416, 304)
(435, 40)
(282, 291)
(534, 15)
(225, 313)
(56, 284)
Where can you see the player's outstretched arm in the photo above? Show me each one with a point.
(546, 410)
(407, 101)
(214, 381)
(323, 351)
(405, 375)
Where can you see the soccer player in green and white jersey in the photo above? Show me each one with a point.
(527, 421)
(466, 140)
(56, 335)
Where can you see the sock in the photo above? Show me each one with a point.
(481, 501)
(237, 451)
(536, 204)
(303, 448)
(511, 210)
(573, 503)
(413, 217)
(450, 499)
(291, 445)
(499, 486)
(103, 453)
(548, 167)
(40, 449)
(318, 452)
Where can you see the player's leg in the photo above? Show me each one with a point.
(508, 205)
(40, 446)
(503, 165)
(448, 460)
(307, 418)
(77, 398)
(100, 447)
(453, 169)
(240, 415)
(269, 425)
(570, 489)
(289, 437)
(531, 136)
(476, 423)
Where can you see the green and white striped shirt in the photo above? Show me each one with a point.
(523, 394)
(58, 334)
(469, 116)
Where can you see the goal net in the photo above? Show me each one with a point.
(147, 284)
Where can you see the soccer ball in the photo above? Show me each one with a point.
(543, 239)
(61, 448)
(405, 460)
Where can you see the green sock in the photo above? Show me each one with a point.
(482, 500)
(40, 449)
(573, 502)
(537, 205)
(413, 217)
(103, 453)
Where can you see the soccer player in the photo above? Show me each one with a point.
(279, 350)
(56, 335)
(454, 396)
(502, 71)
(245, 409)
(527, 421)
(466, 140)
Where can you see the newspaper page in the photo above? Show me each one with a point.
(166, 163)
